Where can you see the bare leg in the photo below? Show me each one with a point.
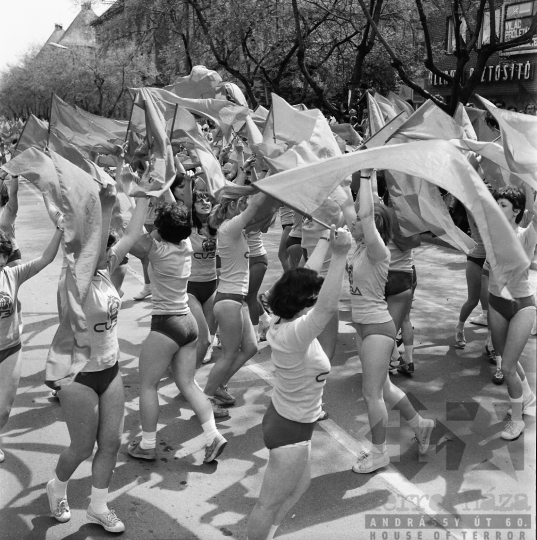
(282, 250)
(204, 338)
(257, 273)
(286, 479)
(295, 254)
(111, 419)
(473, 280)
(398, 306)
(10, 372)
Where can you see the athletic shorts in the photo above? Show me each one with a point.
(509, 308)
(15, 256)
(239, 298)
(480, 261)
(279, 431)
(398, 282)
(376, 329)
(202, 290)
(414, 278)
(98, 381)
(260, 259)
(183, 329)
(218, 262)
(6, 353)
(292, 241)
(285, 225)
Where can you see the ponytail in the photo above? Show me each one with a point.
(218, 213)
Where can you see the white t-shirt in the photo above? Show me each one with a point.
(522, 286)
(301, 367)
(10, 309)
(203, 257)
(367, 278)
(234, 254)
(255, 244)
(169, 270)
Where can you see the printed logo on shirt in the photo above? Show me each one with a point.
(111, 316)
(354, 290)
(209, 249)
(323, 375)
(6, 305)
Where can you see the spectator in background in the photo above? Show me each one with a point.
(500, 104)
(530, 109)
(512, 108)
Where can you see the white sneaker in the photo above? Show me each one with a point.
(481, 320)
(512, 430)
(144, 293)
(59, 508)
(424, 437)
(528, 403)
(208, 355)
(370, 461)
(108, 520)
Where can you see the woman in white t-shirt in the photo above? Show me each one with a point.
(174, 332)
(11, 278)
(510, 321)
(239, 342)
(302, 304)
(93, 405)
(9, 206)
(368, 273)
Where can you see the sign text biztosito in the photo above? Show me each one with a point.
(515, 71)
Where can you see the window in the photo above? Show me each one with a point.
(484, 38)
(451, 45)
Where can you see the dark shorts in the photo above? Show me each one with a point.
(509, 308)
(218, 262)
(227, 296)
(279, 431)
(6, 353)
(285, 225)
(414, 278)
(15, 256)
(292, 241)
(183, 329)
(480, 261)
(98, 381)
(260, 259)
(202, 290)
(376, 329)
(398, 282)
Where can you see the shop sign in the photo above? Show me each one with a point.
(515, 71)
(517, 22)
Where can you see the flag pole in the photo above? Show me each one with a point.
(50, 118)
(292, 207)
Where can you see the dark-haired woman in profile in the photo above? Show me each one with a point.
(174, 332)
(301, 370)
(510, 321)
(368, 273)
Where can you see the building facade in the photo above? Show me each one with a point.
(510, 75)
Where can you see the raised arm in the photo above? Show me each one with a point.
(316, 261)
(328, 301)
(12, 207)
(366, 213)
(134, 229)
(52, 249)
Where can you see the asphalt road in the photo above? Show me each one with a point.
(471, 484)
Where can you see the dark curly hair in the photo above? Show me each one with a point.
(173, 222)
(4, 195)
(383, 222)
(516, 197)
(6, 247)
(295, 290)
(197, 195)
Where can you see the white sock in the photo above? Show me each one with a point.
(415, 423)
(265, 318)
(99, 498)
(378, 448)
(59, 488)
(149, 440)
(272, 532)
(498, 361)
(526, 390)
(516, 408)
(210, 431)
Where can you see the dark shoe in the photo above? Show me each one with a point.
(491, 355)
(406, 368)
(497, 378)
(136, 451)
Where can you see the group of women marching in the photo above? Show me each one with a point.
(204, 263)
